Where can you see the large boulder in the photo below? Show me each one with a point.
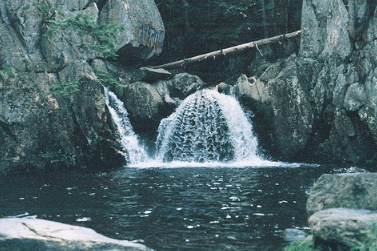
(144, 31)
(148, 104)
(343, 207)
(348, 190)
(341, 225)
(37, 234)
(144, 104)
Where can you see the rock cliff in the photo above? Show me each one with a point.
(321, 103)
(54, 61)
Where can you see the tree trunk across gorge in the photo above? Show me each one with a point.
(214, 54)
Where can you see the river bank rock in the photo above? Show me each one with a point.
(342, 225)
(348, 190)
(343, 207)
(279, 97)
(143, 33)
(36, 234)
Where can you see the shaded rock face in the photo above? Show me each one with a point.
(35, 120)
(37, 234)
(322, 103)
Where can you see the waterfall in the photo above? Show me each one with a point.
(207, 127)
(134, 152)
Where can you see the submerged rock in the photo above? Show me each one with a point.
(36, 234)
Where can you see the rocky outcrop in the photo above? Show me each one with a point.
(321, 104)
(343, 207)
(37, 234)
(278, 97)
(348, 190)
(52, 106)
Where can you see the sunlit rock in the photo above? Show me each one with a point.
(37, 234)
(347, 226)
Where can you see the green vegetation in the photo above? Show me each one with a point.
(7, 71)
(84, 25)
(300, 245)
(107, 78)
(45, 8)
(65, 89)
(368, 243)
(103, 35)
(26, 7)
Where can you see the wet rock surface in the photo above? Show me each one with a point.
(321, 104)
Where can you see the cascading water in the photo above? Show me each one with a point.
(207, 127)
(134, 152)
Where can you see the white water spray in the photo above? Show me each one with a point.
(207, 129)
(135, 154)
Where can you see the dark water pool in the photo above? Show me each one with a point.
(171, 208)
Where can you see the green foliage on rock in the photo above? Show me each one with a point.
(65, 89)
(367, 243)
(7, 71)
(84, 25)
(107, 78)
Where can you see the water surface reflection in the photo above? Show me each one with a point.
(197, 208)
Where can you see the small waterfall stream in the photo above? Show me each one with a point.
(134, 152)
(207, 128)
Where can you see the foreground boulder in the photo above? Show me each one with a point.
(35, 234)
(351, 190)
(343, 207)
(347, 226)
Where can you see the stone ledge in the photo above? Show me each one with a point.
(347, 226)
(36, 234)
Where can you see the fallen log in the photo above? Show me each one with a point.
(237, 48)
